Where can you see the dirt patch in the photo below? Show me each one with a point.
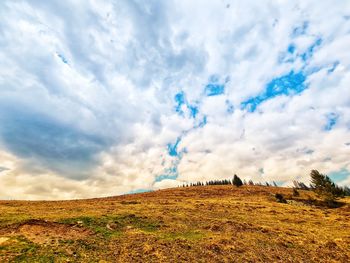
(40, 231)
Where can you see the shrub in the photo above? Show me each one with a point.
(295, 192)
(280, 198)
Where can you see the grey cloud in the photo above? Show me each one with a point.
(3, 169)
(52, 144)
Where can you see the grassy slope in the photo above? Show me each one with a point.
(199, 224)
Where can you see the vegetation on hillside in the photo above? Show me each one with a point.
(212, 223)
(196, 224)
(236, 181)
(321, 184)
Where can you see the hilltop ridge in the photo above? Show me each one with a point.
(196, 224)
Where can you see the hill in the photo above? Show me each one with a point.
(192, 224)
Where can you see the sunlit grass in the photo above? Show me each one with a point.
(199, 224)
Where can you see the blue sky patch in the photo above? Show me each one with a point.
(214, 89)
(171, 172)
(332, 119)
(180, 100)
(139, 191)
(291, 48)
(165, 176)
(172, 148)
(279, 183)
(289, 55)
(290, 84)
(338, 176)
(193, 111)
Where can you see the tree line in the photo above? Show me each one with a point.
(236, 181)
(324, 187)
(320, 183)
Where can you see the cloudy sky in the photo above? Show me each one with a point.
(107, 97)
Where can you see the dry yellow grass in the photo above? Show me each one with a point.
(195, 224)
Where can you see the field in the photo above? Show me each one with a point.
(193, 224)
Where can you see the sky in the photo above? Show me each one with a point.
(107, 97)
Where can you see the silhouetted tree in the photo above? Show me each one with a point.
(237, 181)
(324, 187)
(300, 185)
(346, 191)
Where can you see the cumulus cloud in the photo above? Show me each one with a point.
(108, 97)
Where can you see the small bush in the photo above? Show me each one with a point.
(295, 192)
(280, 198)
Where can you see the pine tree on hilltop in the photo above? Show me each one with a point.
(237, 181)
(300, 185)
(324, 187)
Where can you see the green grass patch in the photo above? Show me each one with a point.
(20, 247)
(11, 219)
(113, 226)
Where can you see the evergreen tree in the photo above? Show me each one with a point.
(346, 191)
(324, 187)
(300, 185)
(237, 181)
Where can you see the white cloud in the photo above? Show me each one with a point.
(87, 93)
